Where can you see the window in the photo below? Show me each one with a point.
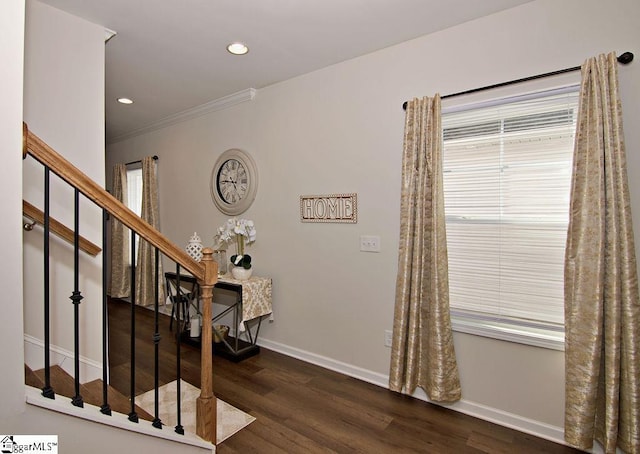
(134, 190)
(507, 175)
(134, 196)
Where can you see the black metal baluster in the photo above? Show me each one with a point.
(76, 298)
(236, 326)
(157, 423)
(105, 408)
(133, 416)
(179, 428)
(47, 391)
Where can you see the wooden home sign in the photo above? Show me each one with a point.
(329, 208)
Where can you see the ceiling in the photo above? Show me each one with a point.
(170, 56)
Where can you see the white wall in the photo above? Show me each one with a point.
(64, 106)
(340, 130)
(74, 435)
(11, 353)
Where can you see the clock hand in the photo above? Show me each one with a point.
(235, 186)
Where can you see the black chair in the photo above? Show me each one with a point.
(186, 294)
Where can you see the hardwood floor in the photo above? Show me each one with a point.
(303, 408)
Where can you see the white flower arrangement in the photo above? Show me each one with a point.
(244, 233)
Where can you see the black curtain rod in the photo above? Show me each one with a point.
(155, 158)
(625, 58)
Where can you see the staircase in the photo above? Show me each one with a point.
(91, 392)
(96, 400)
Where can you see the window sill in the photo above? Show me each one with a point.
(503, 330)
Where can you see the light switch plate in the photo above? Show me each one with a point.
(370, 243)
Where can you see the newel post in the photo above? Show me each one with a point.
(206, 403)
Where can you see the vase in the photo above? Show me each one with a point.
(194, 247)
(241, 274)
(220, 256)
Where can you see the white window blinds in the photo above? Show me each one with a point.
(507, 176)
(134, 190)
(134, 197)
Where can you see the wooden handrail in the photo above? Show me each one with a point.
(205, 271)
(57, 227)
(47, 156)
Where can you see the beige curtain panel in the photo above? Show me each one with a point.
(120, 284)
(422, 352)
(146, 263)
(602, 308)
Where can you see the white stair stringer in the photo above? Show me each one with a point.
(91, 414)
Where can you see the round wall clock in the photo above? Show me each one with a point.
(234, 182)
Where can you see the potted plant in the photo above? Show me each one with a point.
(243, 233)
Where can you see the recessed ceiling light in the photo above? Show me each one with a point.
(238, 48)
(125, 101)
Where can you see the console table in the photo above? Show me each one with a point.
(251, 303)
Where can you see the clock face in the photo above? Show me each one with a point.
(234, 182)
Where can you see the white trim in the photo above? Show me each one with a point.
(34, 358)
(108, 34)
(494, 415)
(328, 363)
(92, 413)
(503, 330)
(503, 418)
(202, 109)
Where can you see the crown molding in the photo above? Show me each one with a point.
(108, 34)
(203, 109)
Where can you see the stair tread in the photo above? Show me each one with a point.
(63, 384)
(117, 401)
(31, 379)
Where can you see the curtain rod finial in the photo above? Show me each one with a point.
(626, 58)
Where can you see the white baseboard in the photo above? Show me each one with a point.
(34, 358)
(494, 415)
(327, 363)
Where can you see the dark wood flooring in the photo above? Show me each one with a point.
(303, 408)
